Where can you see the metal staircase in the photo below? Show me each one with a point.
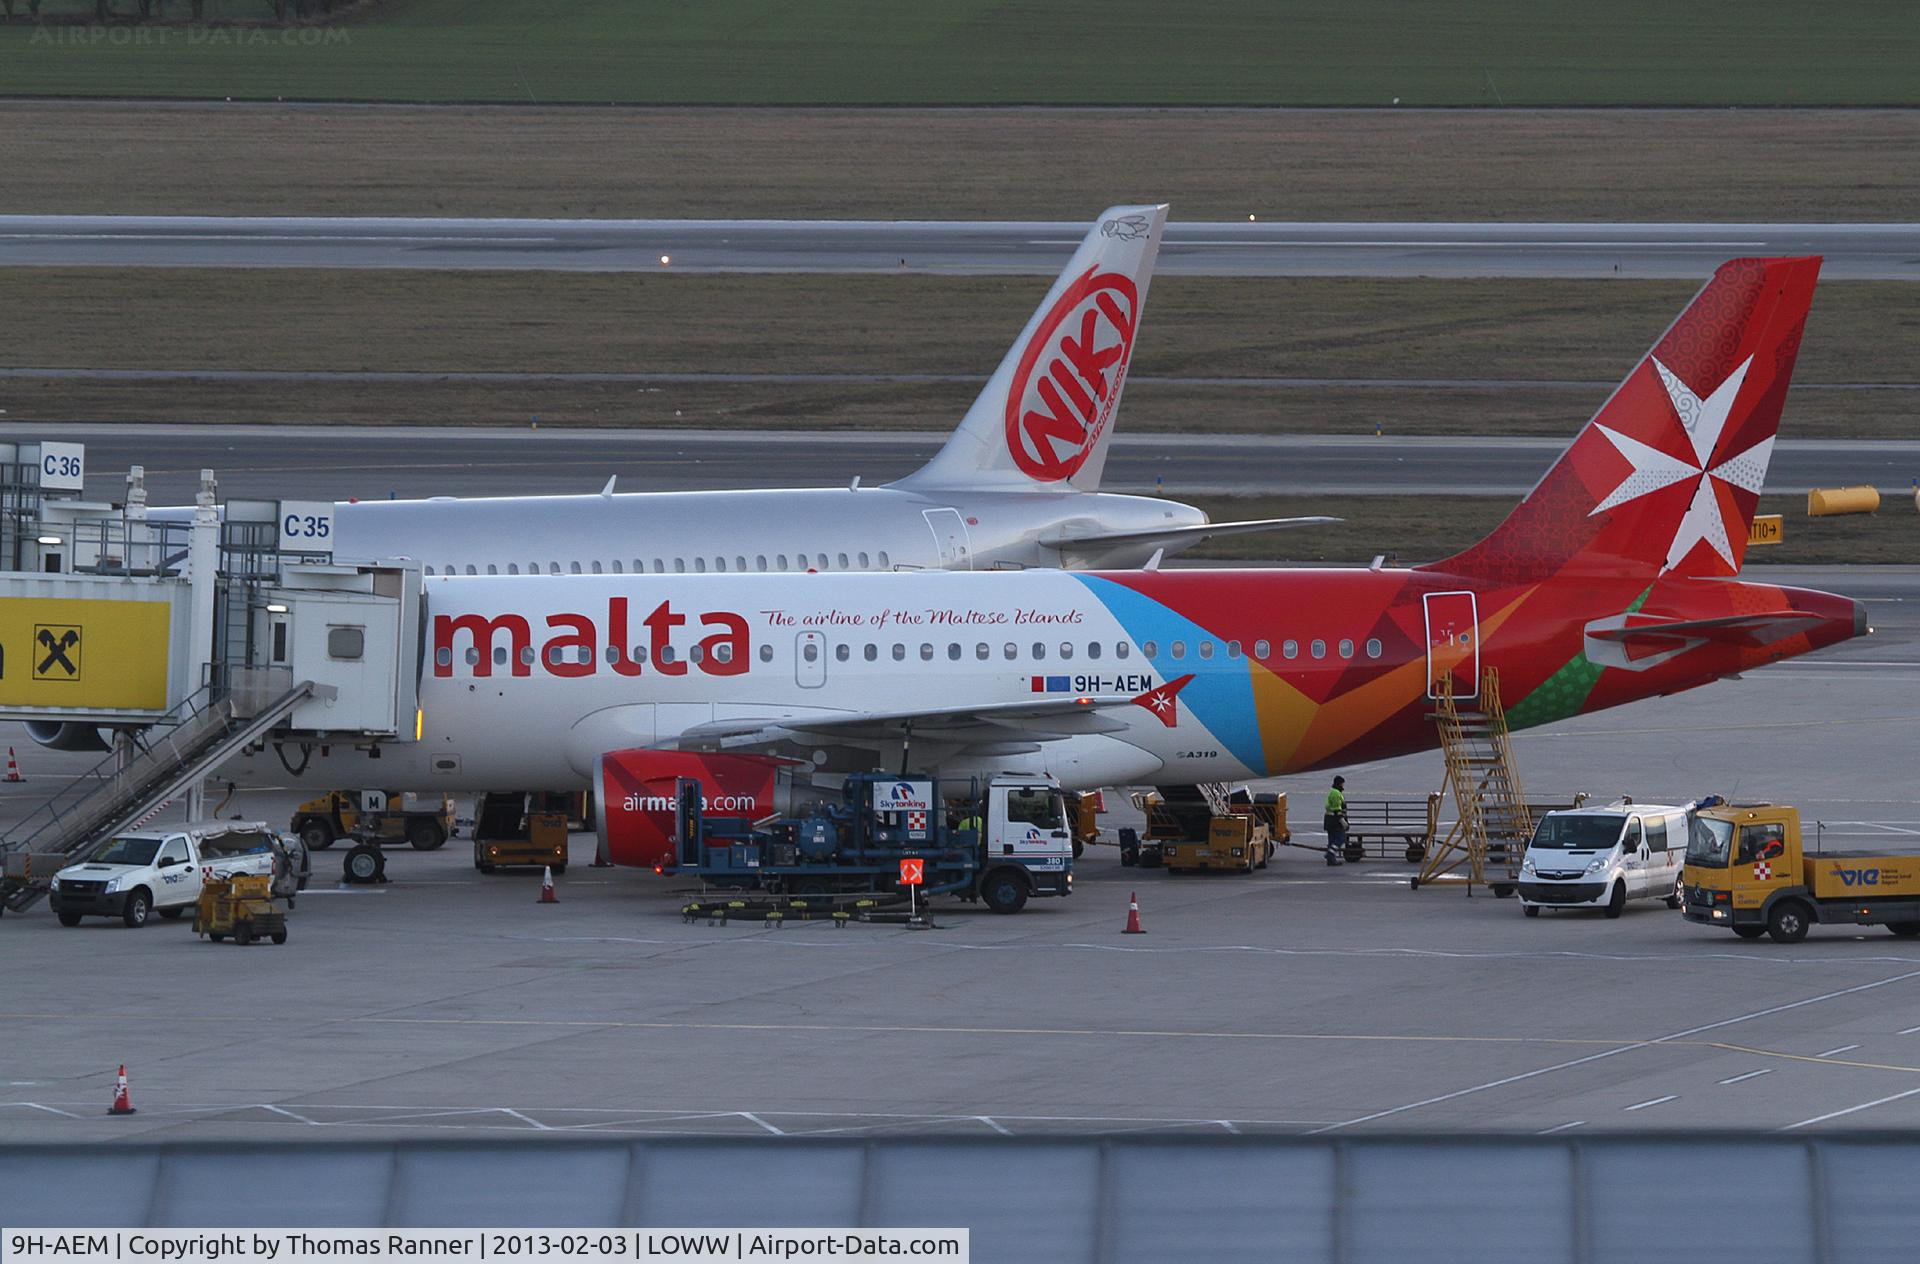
(179, 750)
(1494, 823)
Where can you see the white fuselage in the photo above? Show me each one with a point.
(528, 681)
(795, 530)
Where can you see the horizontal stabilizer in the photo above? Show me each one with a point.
(1640, 641)
(1179, 537)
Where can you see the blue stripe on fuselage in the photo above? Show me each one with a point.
(1220, 694)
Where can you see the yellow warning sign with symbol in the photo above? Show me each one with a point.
(104, 655)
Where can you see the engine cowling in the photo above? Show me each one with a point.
(634, 797)
(67, 736)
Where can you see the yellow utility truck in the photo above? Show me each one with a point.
(1746, 870)
(374, 816)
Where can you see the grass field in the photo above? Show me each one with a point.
(1584, 332)
(1108, 52)
(1653, 165)
(1416, 529)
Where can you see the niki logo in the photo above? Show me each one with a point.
(1069, 377)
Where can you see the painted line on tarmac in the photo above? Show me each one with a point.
(1842, 1049)
(1851, 1110)
(1675, 1038)
(1548, 1132)
(1670, 1097)
(1748, 1076)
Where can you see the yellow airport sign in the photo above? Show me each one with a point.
(1767, 529)
(94, 655)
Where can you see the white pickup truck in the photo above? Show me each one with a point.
(160, 869)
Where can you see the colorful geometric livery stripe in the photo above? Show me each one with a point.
(1220, 700)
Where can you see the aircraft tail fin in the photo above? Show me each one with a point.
(1666, 476)
(1046, 416)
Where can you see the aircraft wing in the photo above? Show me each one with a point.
(1043, 719)
(1178, 537)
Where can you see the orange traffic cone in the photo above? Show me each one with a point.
(1133, 916)
(13, 768)
(547, 895)
(122, 1103)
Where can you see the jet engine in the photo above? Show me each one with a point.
(633, 797)
(67, 736)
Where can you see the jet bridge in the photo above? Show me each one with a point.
(175, 645)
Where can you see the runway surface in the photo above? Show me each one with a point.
(1296, 1000)
(369, 462)
(1852, 251)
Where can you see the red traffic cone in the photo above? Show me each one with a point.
(13, 768)
(122, 1103)
(547, 895)
(1133, 916)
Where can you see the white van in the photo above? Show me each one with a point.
(1603, 857)
(160, 869)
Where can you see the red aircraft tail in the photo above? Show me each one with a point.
(1666, 477)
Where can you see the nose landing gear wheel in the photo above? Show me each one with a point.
(364, 864)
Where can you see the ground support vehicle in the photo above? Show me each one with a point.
(23, 871)
(1379, 828)
(1214, 829)
(377, 817)
(1602, 857)
(520, 829)
(161, 869)
(1746, 870)
(241, 906)
(851, 855)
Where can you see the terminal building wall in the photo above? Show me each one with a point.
(1302, 1200)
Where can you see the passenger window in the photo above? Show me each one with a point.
(899, 652)
(1373, 647)
(640, 653)
(429, 570)
(1179, 649)
(1233, 649)
(1657, 834)
(1093, 649)
(809, 651)
(473, 656)
(1263, 650)
(1206, 649)
(1290, 649)
(500, 655)
(1150, 648)
(492, 569)
(1121, 649)
(766, 653)
(659, 566)
(1039, 651)
(953, 651)
(679, 565)
(699, 565)
(513, 568)
(823, 561)
(926, 652)
(842, 652)
(884, 564)
(864, 563)
(739, 563)
(873, 652)
(1319, 649)
(720, 564)
(843, 561)
(760, 561)
(443, 657)
(596, 568)
(573, 567)
(1011, 651)
(526, 655)
(1346, 648)
(780, 562)
(1066, 649)
(981, 651)
(666, 653)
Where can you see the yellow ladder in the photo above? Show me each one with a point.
(1493, 823)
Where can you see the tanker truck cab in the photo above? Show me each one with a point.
(1602, 857)
(1747, 871)
(1028, 844)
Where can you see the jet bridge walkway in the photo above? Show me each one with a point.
(178, 751)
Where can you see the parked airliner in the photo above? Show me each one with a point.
(1614, 580)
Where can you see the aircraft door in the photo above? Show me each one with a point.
(810, 660)
(1453, 643)
(950, 541)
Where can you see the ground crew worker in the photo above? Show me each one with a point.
(972, 821)
(1335, 822)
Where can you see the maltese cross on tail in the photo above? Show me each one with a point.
(1164, 701)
